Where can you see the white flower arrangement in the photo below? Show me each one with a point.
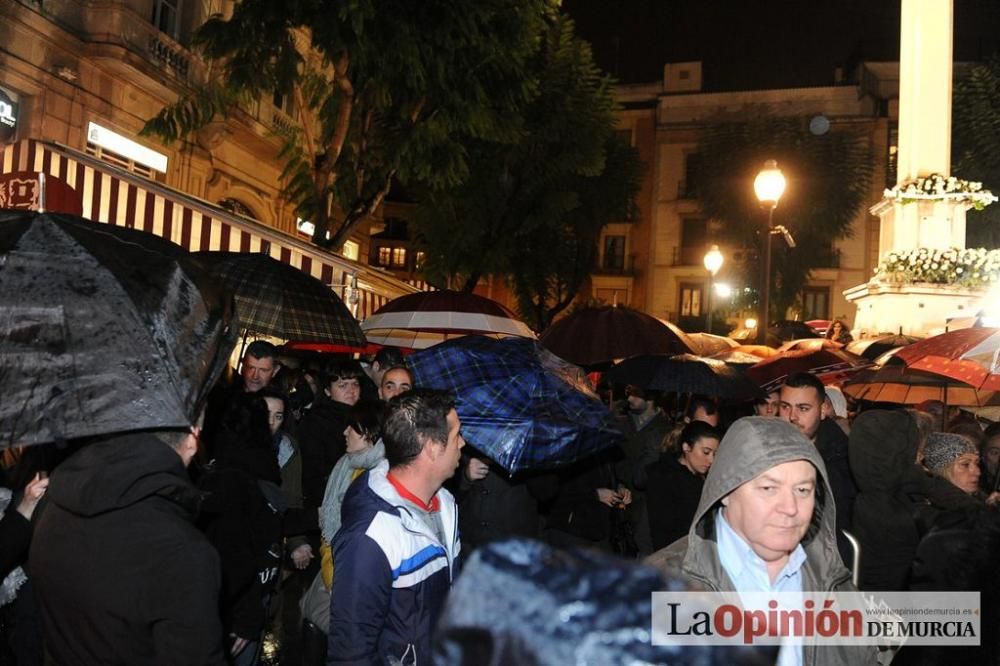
(973, 267)
(937, 187)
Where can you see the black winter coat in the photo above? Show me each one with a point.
(115, 544)
(321, 444)
(831, 442)
(497, 507)
(672, 496)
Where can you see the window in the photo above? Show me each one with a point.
(892, 159)
(384, 255)
(399, 257)
(690, 300)
(614, 253)
(692, 176)
(418, 262)
(166, 16)
(351, 250)
(816, 303)
(694, 241)
(108, 145)
(283, 103)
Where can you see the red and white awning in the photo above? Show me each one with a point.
(115, 196)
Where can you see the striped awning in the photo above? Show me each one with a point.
(115, 196)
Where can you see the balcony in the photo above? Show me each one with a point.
(688, 256)
(687, 189)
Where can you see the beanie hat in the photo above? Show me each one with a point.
(944, 448)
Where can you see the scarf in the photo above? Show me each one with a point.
(340, 480)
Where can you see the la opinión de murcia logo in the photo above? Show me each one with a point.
(19, 193)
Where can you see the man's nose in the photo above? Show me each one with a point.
(788, 503)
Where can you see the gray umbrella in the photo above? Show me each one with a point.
(102, 330)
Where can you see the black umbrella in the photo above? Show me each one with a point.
(872, 348)
(684, 373)
(102, 330)
(788, 329)
(277, 299)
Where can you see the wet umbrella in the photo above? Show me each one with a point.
(872, 348)
(102, 330)
(275, 298)
(520, 405)
(809, 344)
(898, 384)
(684, 373)
(830, 365)
(593, 336)
(706, 344)
(417, 321)
(787, 329)
(970, 355)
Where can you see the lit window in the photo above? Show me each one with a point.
(419, 260)
(350, 250)
(117, 149)
(399, 257)
(384, 256)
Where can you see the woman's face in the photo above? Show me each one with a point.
(698, 457)
(355, 440)
(964, 472)
(991, 454)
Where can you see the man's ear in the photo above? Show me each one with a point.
(826, 411)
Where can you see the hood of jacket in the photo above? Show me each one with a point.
(883, 448)
(115, 473)
(750, 447)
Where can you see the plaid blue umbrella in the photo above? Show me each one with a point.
(520, 405)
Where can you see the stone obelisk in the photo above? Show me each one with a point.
(924, 148)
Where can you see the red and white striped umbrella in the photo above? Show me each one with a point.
(417, 321)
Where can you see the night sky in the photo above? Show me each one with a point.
(747, 44)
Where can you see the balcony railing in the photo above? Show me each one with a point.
(688, 256)
(616, 265)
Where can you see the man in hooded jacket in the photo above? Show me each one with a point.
(752, 451)
(121, 574)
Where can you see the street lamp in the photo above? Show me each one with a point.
(713, 262)
(769, 185)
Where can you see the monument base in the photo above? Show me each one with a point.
(911, 309)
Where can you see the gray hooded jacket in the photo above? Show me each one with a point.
(752, 446)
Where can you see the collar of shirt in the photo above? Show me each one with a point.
(430, 507)
(747, 570)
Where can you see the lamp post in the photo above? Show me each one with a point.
(769, 185)
(713, 262)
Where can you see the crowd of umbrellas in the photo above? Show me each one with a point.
(105, 329)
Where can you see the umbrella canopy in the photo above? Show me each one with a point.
(787, 329)
(830, 365)
(278, 299)
(872, 348)
(898, 384)
(706, 344)
(593, 336)
(819, 325)
(102, 330)
(520, 405)
(968, 355)
(684, 373)
(809, 344)
(417, 321)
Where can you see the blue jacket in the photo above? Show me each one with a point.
(391, 575)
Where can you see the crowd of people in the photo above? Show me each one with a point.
(332, 507)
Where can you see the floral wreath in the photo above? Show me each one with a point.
(937, 187)
(972, 267)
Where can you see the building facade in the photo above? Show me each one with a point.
(84, 76)
(662, 251)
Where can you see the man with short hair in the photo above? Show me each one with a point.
(702, 408)
(120, 572)
(804, 404)
(765, 524)
(395, 380)
(260, 364)
(395, 553)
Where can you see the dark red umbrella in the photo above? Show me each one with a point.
(597, 335)
(830, 365)
(968, 355)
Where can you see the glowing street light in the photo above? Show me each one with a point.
(769, 185)
(713, 262)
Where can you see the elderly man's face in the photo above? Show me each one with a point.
(803, 408)
(772, 512)
(257, 373)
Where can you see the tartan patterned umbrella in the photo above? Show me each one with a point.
(280, 300)
(520, 405)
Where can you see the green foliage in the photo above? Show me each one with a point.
(533, 207)
(828, 176)
(386, 89)
(976, 144)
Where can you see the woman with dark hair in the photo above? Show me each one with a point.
(364, 450)
(675, 482)
(838, 332)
